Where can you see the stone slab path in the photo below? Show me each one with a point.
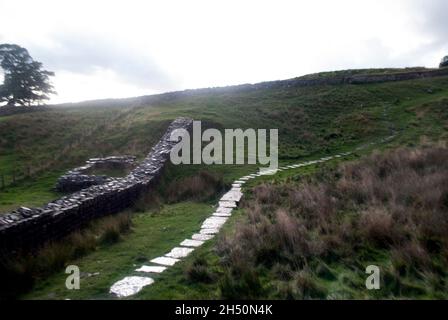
(210, 227)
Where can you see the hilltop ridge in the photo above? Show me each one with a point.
(349, 76)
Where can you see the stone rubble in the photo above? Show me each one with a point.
(78, 178)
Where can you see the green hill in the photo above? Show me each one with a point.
(313, 121)
(37, 147)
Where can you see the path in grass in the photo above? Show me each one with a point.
(131, 285)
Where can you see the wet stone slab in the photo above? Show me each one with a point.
(165, 261)
(227, 204)
(202, 237)
(224, 210)
(179, 252)
(209, 231)
(221, 214)
(152, 269)
(129, 286)
(232, 195)
(214, 222)
(191, 243)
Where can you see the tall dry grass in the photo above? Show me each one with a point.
(395, 202)
(200, 187)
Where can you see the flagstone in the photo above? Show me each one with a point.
(129, 286)
(179, 252)
(224, 210)
(152, 269)
(227, 204)
(209, 231)
(191, 243)
(165, 261)
(202, 237)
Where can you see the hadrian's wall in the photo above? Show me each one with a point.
(296, 82)
(79, 178)
(26, 228)
(354, 79)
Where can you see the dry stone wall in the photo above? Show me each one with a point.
(78, 178)
(355, 79)
(28, 228)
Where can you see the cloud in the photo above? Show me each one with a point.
(121, 48)
(86, 53)
(432, 19)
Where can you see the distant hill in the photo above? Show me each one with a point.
(330, 77)
(315, 114)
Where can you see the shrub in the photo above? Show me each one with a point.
(111, 228)
(200, 187)
(148, 201)
(391, 204)
(199, 271)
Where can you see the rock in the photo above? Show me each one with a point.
(165, 261)
(202, 237)
(151, 269)
(214, 222)
(130, 286)
(191, 243)
(179, 252)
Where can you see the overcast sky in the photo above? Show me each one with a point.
(106, 49)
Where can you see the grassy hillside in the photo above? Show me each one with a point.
(312, 122)
(36, 147)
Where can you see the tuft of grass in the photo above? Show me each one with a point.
(202, 186)
(199, 271)
(387, 209)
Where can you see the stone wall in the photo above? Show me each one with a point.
(355, 79)
(143, 101)
(26, 228)
(79, 178)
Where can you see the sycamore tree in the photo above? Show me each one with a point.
(24, 80)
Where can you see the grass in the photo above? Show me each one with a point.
(153, 234)
(314, 238)
(35, 146)
(30, 192)
(20, 272)
(312, 122)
